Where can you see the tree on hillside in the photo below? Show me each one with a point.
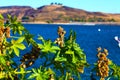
(55, 3)
(52, 3)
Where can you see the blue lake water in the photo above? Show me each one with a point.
(88, 37)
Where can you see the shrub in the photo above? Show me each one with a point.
(63, 56)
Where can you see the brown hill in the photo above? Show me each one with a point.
(19, 11)
(57, 13)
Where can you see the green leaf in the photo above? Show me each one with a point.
(20, 32)
(20, 40)
(16, 50)
(74, 59)
(40, 46)
(15, 45)
(53, 51)
(10, 75)
(50, 71)
(58, 58)
(14, 31)
(13, 41)
(43, 50)
(55, 48)
(39, 78)
(21, 27)
(36, 74)
(20, 46)
(40, 38)
(47, 46)
(32, 76)
(61, 59)
(22, 71)
(69, 52)
(10, 51)
(1, 17)
(9, 16)
(14, 18)
(2, 60)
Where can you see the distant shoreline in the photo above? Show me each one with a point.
(77, 23)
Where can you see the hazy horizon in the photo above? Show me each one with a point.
(92, 5)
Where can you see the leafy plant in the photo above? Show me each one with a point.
(66, 58)
(9, 47)
(70, 58)
(15, 45)
(41, 73)
(47, 46)
(115, 71)
(63, 59)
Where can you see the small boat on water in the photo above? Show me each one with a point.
(99, 29)
(118, 40)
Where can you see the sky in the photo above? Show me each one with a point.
(107, 6)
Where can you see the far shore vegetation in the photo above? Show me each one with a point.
(68, 19)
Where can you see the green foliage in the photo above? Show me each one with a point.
(10, 48)
(68, 59)
(49, 21)
(21, 72)
(71, 58)
(41, 73)
(1, 17)
(47, 46)
(115, 71)
(16, 26)
(1, 20)
(15, 45)
(60, 58)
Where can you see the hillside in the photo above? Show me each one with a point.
(57, 13)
